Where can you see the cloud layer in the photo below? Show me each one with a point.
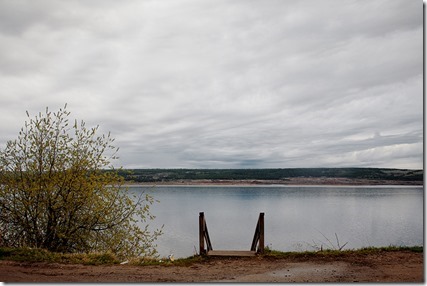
(224, 84)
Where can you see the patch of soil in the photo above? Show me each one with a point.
(398, 266)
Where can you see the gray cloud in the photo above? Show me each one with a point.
(224, 84)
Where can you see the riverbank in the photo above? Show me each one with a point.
(372, 266)
(298, 181)
(366, 176)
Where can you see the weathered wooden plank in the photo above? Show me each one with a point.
(231, 253)
(208, 240)
(201, 233)
(261, 233)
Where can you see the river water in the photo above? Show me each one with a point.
(297, 218)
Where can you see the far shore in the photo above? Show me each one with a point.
(299, 181)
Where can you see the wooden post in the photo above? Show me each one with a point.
(261, 233)
(202, 233)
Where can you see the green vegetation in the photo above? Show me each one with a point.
(107, 258)
(333, 252)
(55, 193)
(169, 175)
(102, 258)
(43, 255)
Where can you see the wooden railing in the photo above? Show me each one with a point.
(259, 235)
(258, 240)
(204, 235)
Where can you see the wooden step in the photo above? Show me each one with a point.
(231, 253)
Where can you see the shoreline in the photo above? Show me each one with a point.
(287, 182)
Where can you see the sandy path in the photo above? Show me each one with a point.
(400, 266)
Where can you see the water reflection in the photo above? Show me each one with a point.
(296, 218)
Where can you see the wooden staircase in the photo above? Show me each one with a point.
(258, 240)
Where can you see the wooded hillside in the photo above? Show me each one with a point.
(170, 175)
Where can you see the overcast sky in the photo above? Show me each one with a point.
(223, 83)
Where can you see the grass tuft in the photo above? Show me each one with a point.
(43, 255)
(27, 254)
(332, 252)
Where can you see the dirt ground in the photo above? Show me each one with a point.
(399, 266)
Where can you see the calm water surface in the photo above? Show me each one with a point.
(296, 218)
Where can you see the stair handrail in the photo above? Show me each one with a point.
(204, 235)
(259, 235)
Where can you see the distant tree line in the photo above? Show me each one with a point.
(168, 175)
